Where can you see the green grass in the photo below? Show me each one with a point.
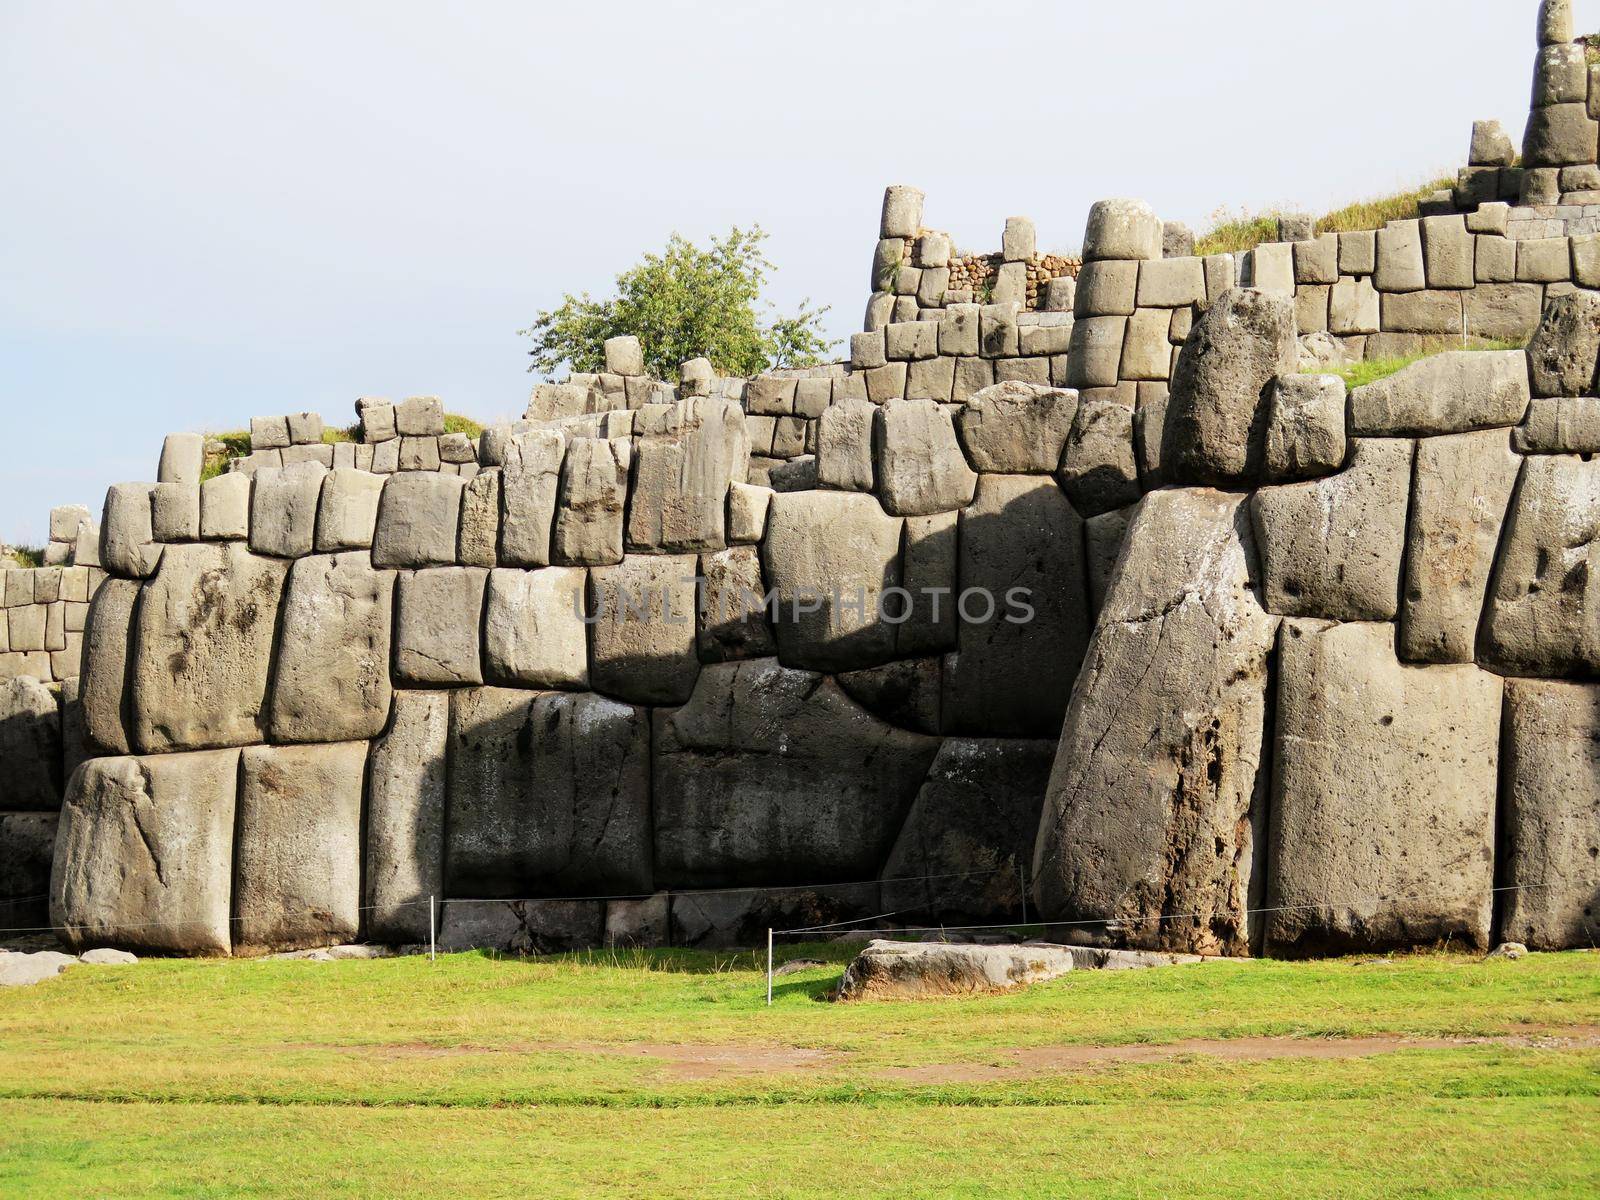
(235, 444)
(552, 1076)
(25, 556)
(1233, 232)
(1373, 369)
(456, 423)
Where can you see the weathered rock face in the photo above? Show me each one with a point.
(775, 776)
(1217, 411)
(108, 637)
(437, 621)
(733, 621)
(419, 520)
(920, 467)
(642, 632)
(968, 839)
(919, 971)
(534, 635)
(1332, 548)
(1383, 796)
(1540, 619)
(830, 556)
(1447, 393)
(1551, 815)
(27, 848)
(332, 679)
(1305, 427)
(549, 792)
(592, 498)
(30, 745)
(1565, 349)
(203, 648)
(1017, 428)
(1023, 610)
(297, 865)
(681, 479)
(405, 817)
(144, 856)
(728, 919)
(522, 926)
(1156, 799)
(1461, 487)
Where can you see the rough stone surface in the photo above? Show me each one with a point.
(1461, 486)
(529, 480)
(534, 633)
(522, 927)
(406, 816)
(1560, 425)
(108, 637)
(1333, 547)
(283, 510)
(1564, 350)
(591, 502)
(1216, 415)
(1551, 815)
(30, 745)
(1012, 678)
(203, 644)
(549, 793)
(1540, 617)
(144, 857)
(1156, 801)
(920, 971)
(920, 467)
(1453, 392)
(775, 776)
(1383, 797)
(127, 536)
(1017, 428)
(419, 520)
(436, 629)
(830, 556)
(732, 621)
(642, 632)
(297, 857)
(844, 448)
(967, 842)
(27, 848)
(1305, 427)
(332, 678)
(347, 516)
(905, 693)
(681, 479)
(1099, 471)
(1122, 229)
(225, 507)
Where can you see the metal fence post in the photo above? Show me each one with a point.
(433, 948)
(769, 968)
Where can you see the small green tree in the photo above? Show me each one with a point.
(680, 304)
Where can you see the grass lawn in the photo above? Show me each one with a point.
(664, 1074)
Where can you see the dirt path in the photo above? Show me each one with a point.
(699, 1062)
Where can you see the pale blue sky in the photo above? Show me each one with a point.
(216, 210)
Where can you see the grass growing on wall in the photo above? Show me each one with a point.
(456, 423)
(1244, 231)
(1373, 369)
(25, 556)
(234, 445)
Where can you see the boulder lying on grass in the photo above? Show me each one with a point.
(918, 970)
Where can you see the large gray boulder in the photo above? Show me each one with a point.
(681, 479)
(721, 920)
(1383, 796)
(297, 847)
(534, 633)
(144, 856)
(283, 509)
(347, 514)
(922, 970)
(1461, 487)
(107, 642)
(1156, 801)
(1217, 410)
(1447, 393)
(830, 556)
(1540, 620)
(1098, 469)
(591, 501)
(522, 927)
(127, 534)
(1305, 427)
(1017, 428)
(405, 817)
(1333, 547)
(549, 792)
(967, 843)
(332, 679)
(203, 648)
(920, 467)
(844, 447)
(642, 615)
(30, 745)
(771, 776)
(1560, 425)
(419, 520)
(437, 626)
(530, 479)
(1023, 610)
(1551, 816)
(1565, 350)
(733, 622)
